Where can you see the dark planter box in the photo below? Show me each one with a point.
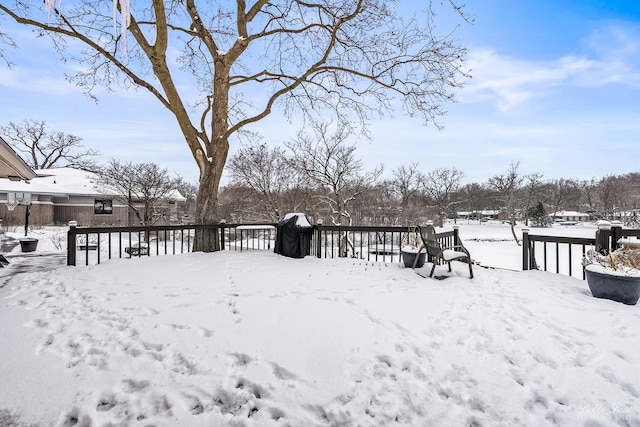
(28, 245)
(409, 257)
(624, 289)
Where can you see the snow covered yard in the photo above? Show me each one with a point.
(257, 339)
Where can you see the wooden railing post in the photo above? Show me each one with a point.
(525, 249)
(223, 222)
(603, 237)
(319, 239)
(71, 243)
(616, 234)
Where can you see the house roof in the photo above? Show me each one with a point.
(12, 165)
(570, 213)
(64, 182)
(56, 182)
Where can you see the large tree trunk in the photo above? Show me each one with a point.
(207, 208)
(211, 163)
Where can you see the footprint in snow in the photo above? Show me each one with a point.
(204, 332)
(231, 305)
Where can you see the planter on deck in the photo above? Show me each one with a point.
(28, 244)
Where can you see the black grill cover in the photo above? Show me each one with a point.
(293, 240)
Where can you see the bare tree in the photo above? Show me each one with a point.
(330, 166)
(476, 197)
(507, 188)
(607, 195)
(614, 195)
(441, 185)
(352, 60)
(563, 193)
(589, 196)
(189, 191)
(406, 182)
(45, 149)
(144, 187)
(5, 40)
(531, 193)
(268, 172)
(237, 204)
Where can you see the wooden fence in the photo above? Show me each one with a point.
(96, 244)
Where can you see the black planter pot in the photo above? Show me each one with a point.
(409, 257)
(28, 244)
(624, 289)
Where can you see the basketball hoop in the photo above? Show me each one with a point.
(14, 199)
(11, 205)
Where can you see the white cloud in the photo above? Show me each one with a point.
(507, 82)
(32, 80)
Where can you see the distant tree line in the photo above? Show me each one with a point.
(319, 173)
(323, 177)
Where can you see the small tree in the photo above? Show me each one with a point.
(539, 216)
(442, 185)
(268, 172)
(331, 167)
(531, 190)
(143, 187)
(405, 183)
(507, 188)
(45, 149)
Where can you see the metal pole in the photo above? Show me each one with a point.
(26, 219)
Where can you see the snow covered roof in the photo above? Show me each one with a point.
(482, 212)
(12, 165)
(570, 213)
(56, 181)
(65, 182)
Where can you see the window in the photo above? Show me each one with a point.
(103, 207)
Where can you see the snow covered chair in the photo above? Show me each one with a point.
(436, 252)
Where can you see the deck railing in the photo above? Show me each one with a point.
(367, 242)
(96, 244)
(99, 243)
(563, 255)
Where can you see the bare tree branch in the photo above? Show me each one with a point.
(46, 149)
(220, 67)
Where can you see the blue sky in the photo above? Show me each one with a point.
(556, 86)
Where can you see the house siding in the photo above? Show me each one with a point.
(85, 215)
(39, 214)
(63, 194)
(52, 213)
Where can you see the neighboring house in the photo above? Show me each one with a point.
(483, 215)
(61, 195)
(570, 216)
(12, 166)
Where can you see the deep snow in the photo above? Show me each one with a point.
(252, 338)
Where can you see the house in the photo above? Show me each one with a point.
(12, 166)
(570, 217)
(61, 195)
(483, 215)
